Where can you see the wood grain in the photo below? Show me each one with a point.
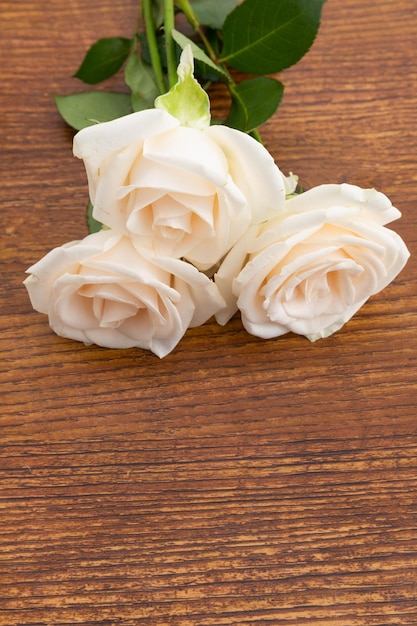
(237, 481)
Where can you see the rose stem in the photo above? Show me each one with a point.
(153, 45)
(169, 25)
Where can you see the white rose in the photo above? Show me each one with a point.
(103, 290)
(309, 270)
(182, 191)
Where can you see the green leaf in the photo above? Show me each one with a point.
(140, 79)
(85, 109)
(254, 101)
(267, 36)
(158, 12)
(198, 53)
(93, 225)
(213, 13)
(103, 59)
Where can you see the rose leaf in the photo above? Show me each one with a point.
(91, 107)
(198, 53)
(254, 101)
(267, 36)
(103, 59)
(140, 79)
(213, 13)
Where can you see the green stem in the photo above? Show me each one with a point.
(187, 9)
(255, 134)
(153, 45)
(169, 25)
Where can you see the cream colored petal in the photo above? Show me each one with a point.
(253, 170)
(229, 269)
(203, 291)
(95, 143)
(191, 151)
(367, 204)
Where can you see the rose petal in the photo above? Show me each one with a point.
(372, 205)
(253, 170)
(95, 143)
(190, 150)
(311, 268)
(105, 290)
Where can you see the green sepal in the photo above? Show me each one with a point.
(103, 59)
(254, 101)
(94, 226)
(187, 100)
(91, 107)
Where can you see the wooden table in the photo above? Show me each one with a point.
(237, 481)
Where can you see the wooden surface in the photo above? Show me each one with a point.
(237, 481)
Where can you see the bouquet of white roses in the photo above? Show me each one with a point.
(191, 218)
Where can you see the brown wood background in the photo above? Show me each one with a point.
(237, 481)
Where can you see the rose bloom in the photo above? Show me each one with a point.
(310, 269)
(182, 191)
(104, 290)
